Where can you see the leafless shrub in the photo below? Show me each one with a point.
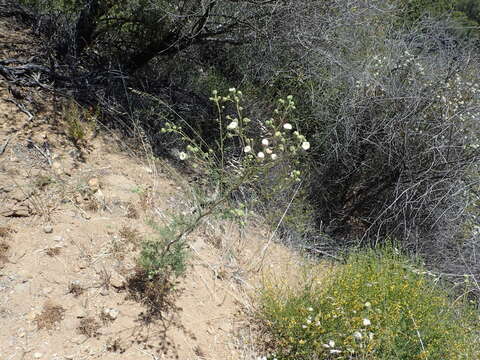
(393, 117)
(49, 317)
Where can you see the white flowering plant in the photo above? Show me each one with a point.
(237, 159)
(245, 152)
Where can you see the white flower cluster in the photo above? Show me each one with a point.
(279, 137)
(457, 99)
(361, 336)
(279, 140)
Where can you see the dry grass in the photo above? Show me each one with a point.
(130, 235)
(115, 345)
(75, 289)
(132, 212)
(129, 240)
(3, 253)
(89, 327)
(43, 181)
(5, 232)
(53, 251)
(158, 295)
(199, 352)
(92, 204)
(50, 316)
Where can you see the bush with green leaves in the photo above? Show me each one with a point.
(131, 33)
(466, 13)
(162, 255)
(378, 305)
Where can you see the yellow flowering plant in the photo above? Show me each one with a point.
(378, 305)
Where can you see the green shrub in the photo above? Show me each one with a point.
(465, 12)
(163, 255)
(376, 306)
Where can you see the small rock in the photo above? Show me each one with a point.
(18, 195)
(24, 276)
(94, 184)
(78, 340)
(48, 229)
(20, 212)
(32, 315)
(57, 168)
(114, 313)
(37, 355)
(47, 290)
(104, 292)
(58, 238)
(116, 280)
(23, 287)
(111, 313)
(99, 195)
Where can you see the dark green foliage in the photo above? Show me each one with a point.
(133, 32)
(465, 12)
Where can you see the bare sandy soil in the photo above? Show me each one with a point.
(71, 220)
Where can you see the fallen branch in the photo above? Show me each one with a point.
(22, 108)
(5, 144)
(45, 154)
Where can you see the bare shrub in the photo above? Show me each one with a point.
(392, 114)
(50, 316)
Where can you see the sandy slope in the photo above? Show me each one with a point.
(70, 223)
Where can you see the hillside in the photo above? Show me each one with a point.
(251, 180)
(71, 220)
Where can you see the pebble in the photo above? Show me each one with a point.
(47, 290)
(104, 292)
(116, 280)
(77, 340)
(111, 313)
(37, 355)
(32, 315)
(57, 168)
(94, 184)
(48, 229)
